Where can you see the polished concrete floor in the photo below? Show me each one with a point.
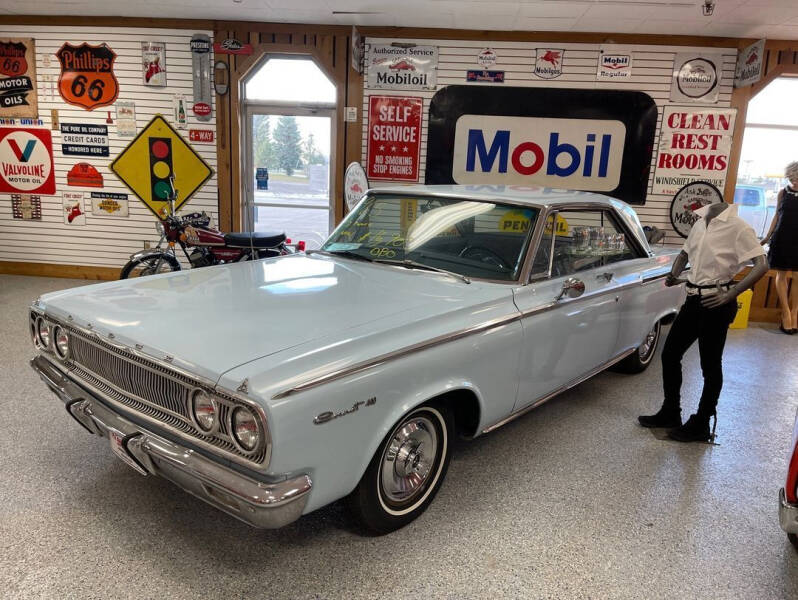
(573, 500)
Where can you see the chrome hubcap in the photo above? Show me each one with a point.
(648, 345)
(408, 459)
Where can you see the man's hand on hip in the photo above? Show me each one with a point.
(719, 299)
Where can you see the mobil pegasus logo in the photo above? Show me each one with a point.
(584, 154)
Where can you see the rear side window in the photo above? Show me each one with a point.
(587, 239)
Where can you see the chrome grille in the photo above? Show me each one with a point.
(148, 388)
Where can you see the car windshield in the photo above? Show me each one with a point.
(475, 239)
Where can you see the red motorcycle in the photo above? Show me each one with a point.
(202, 245)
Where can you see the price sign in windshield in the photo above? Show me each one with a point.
(394, 144)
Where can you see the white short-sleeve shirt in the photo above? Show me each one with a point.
(718, 252)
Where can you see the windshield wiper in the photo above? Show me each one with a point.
(346, 253)
(411, 264)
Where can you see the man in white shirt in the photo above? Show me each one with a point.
(720, 244)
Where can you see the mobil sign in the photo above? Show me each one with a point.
(585, 140)
(583, 154)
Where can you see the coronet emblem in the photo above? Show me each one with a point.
(329, 415)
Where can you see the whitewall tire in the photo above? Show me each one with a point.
(406, 471)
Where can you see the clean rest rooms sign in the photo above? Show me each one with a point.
(583, 154)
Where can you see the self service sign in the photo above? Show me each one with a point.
(588, 140)
(394, 139)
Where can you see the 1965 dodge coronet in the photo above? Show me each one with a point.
(274, 387)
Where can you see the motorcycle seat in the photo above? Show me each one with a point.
(257, 239)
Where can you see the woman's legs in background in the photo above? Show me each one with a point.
(782, 280)
(794, 305)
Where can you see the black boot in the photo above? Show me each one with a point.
(667, 417)
(696, 429)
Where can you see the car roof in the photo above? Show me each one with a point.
(529, 195)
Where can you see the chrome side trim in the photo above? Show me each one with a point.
(442, 339)
(653, 278)
(389, 356)
(558, 391)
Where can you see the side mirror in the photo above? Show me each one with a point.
(571, 287)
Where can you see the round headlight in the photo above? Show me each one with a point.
(246, 430)
(61, 339)
(43, 332)
(159, 228)
(205, 410)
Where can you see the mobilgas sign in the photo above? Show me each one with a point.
(515, 150)
(589, 140)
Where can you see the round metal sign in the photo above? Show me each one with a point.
(689, 199)
(697, 77)
(355, 184)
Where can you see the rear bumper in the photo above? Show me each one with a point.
(788, 514)
(260, 504)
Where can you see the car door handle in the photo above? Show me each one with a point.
(606, 276)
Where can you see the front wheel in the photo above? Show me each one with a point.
(793, 540)
(406, 471)
(149, 265)
(638, 361)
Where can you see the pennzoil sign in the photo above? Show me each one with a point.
(87, 75)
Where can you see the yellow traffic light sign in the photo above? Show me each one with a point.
(155, 155)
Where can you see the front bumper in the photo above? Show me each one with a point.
(788, 514)
(260, 504)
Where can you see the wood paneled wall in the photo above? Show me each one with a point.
(781, 59)
(331, 50)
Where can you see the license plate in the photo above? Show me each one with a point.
(117, 442)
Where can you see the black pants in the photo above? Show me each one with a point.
(709, 326)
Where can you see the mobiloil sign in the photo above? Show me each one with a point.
(578, 153)
(588, 140)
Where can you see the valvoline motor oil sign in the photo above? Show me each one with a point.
(586, 140)
(576, 153)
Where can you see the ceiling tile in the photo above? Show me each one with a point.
(468, 8)
(737, 30)
(762, 15)
(608, 25)
(550, 24)
(553, 9)
(770, 3)
(607, 11)
(686, 27)
(788, 31)
(378, 20)
(484, 22)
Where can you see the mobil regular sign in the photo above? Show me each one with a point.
(516, 150)
(588, 140)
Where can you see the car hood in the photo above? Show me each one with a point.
(213, 319)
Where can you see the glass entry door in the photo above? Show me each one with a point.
(288, 167)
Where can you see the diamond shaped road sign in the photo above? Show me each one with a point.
(155, 154)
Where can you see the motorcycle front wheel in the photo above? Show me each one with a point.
(150, 265)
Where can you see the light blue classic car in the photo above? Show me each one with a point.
(272, 388)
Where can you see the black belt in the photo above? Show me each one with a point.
(714, 286)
